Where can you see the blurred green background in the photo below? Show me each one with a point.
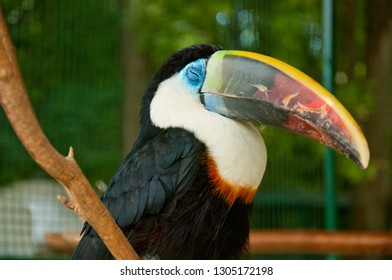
(86, 65)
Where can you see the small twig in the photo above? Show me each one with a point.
(68, 203)
(16, 104)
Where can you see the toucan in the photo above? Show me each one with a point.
(185, 189)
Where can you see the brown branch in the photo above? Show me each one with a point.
(321, 242)
(62, 242)
(17, 106)
(344, 243)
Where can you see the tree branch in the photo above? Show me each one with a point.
(17, 106)
(353, 243)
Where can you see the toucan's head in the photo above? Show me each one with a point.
(203, 80)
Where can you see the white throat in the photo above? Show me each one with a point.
(237, 147)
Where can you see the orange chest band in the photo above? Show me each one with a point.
(229, 192)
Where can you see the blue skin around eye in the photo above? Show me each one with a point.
(194, 73)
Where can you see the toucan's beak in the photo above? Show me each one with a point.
(253, 87)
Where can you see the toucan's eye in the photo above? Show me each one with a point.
(195, 72)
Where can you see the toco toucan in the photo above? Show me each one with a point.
(185, 189)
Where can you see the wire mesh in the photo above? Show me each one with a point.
(29, 210)
(70, 56)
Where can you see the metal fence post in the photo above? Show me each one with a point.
(330, 211)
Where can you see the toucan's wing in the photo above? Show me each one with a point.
(155, 175)
(149, 181)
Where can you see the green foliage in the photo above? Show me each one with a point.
(164, 27)
(353, 88)
(69, 55)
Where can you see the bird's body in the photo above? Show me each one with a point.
(170, 197)
(185, 189)
(179, 213)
